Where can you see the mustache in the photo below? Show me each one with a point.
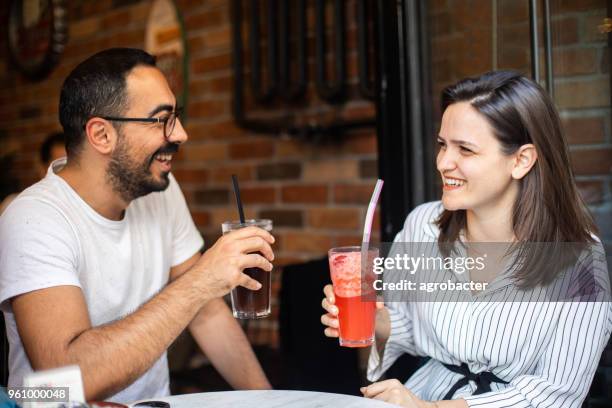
(169, 148)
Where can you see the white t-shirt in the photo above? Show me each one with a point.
(50, 237)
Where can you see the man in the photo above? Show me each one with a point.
(100, 262)
(51, 149)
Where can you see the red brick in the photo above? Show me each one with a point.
(565, 31)
(512, 11)
(205, 152)
(228, 213)
(132, 38)
(258, 195)
(591, 191)
(279, 171)
(440, 23)
(283, 218)
(204, 20)
(468, 14)
(191, 175)
(575, 61)
(583, 94)
(117, 18)
(330, 170)
(565, 6)
(304, 194)
(199, 87)
(348, 240)
(290, 148)
(245, 150)
(584, 130)
(362, 144)
(212, 196)
(208, 109)
(218, 130)
(592, 161)
(201, 218)
(368, 169)
(196, 44)
(306, 242)
(84, 28)
(359, 111)
(334, 218)
(209, 64)
(224, 174)
(352, 194)
(220, 38)
(221, 84)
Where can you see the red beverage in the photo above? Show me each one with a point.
(356, 321)
(355, 314)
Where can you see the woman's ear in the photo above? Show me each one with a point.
(101, 135)
(525, 158)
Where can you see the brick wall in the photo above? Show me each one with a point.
(315, 194)
(473, 36)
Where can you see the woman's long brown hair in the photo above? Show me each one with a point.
(548, 208)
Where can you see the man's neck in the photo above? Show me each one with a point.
(93, 187)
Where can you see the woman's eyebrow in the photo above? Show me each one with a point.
(459, 142)
(161, 108)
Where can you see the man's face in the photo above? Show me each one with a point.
(142, 158)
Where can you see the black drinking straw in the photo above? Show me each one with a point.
(238, 200)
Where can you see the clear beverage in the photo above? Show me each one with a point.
(246, 303)
(355, 299)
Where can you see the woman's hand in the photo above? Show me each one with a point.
(330, 319)
(394, 392)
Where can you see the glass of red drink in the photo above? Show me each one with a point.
(355, 297)
(246, 303)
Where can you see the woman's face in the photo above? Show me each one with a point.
(476, 175)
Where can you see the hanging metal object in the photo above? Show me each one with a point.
(279, 81)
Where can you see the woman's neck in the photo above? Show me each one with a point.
(489, 226)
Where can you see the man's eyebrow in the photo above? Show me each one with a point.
(161, 108)
(459, 142)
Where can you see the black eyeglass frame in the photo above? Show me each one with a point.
(176, 113)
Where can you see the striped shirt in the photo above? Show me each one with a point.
(547, 351)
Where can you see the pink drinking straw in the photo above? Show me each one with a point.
(367, 228)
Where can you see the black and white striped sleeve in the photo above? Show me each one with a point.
(564, 372)
(400, 341)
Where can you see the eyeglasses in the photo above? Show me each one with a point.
(168, 121)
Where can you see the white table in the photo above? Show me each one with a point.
(271, 399)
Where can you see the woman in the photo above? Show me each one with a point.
(506, 179)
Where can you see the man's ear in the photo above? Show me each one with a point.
(524, 159)
(101, 135)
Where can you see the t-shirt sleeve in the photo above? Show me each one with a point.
(38, 250)
(186, 239)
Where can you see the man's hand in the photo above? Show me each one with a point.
(394, 392)
(219, 269)
(56, 330)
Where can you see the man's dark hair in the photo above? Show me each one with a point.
(52, 140)
(96, 87)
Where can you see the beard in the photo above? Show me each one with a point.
(132, 179)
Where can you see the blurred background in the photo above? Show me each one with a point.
(308, 102)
